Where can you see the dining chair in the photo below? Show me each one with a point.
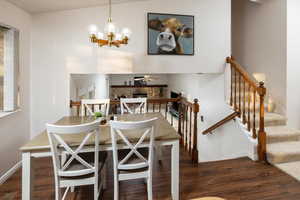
(137, 163)
(97, 104)
(142, 109)
(79, 168)
(129, 105)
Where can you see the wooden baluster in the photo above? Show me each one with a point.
(153, 107)
(180, 120)
(183, 123)
(195, 132)
(244, 103)
(254, 135)
(166, 111)
(249, 107)
(185, 120)
(147, 107)
(84, 111)
(159, 107)
(240, 95)
(190, 145)
(78, 110)
(235, 90)
(262, 138)
(231, 85)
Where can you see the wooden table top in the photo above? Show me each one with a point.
(164, 132)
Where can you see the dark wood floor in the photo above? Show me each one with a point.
(232, 179)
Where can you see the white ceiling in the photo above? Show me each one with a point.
(39, 6)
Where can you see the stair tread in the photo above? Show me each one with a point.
(281, 148)
(283, 152)
(281, 134)
(273, 119)
(291, 168)
(275, 116)
(281, 130)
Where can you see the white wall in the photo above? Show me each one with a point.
(226, 142)
(99, 83)
(293, 63)
(61, 46)
(15, 129)
(259, 43)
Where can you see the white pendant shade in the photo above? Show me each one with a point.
(100, 35)
(126, 32)
(110, 28)
(93, 29)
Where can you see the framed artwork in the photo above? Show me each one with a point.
(170, 34)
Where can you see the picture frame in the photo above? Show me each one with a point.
(170, 34)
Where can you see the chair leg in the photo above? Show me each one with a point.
(57, 193)
(96, 192)
(149, 188)
(116, 187)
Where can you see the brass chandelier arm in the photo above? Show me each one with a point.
(116, 43)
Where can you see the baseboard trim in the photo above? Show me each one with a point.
(10, 172)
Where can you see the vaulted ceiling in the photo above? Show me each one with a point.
(39, 6)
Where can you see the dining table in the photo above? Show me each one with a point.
(39, 147)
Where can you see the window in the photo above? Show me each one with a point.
(9, 69)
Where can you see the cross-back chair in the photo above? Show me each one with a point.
(135, 164)
(133, 105)
(90, 106)
(78, 168)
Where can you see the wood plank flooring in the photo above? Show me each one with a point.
(238, 179)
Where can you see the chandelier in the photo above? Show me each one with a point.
(111, 36)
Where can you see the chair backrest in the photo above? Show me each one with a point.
(94, 105)
(147, 130)
(133, 105)
(59, 145)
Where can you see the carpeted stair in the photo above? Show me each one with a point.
(283, 143)
(283, 149)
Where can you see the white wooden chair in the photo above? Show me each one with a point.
(76, 169)
(125, 105)
(127, 168)
(98, 104)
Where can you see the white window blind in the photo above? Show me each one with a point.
(10, 71)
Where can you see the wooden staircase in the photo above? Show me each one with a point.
(249, 103)
(278, 144)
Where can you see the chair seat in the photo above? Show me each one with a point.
(81, 170)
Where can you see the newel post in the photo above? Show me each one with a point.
(196, 109)
(262, 138)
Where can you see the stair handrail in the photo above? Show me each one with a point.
(239, 104)
(228, 118)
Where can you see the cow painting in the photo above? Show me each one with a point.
(170, 34)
